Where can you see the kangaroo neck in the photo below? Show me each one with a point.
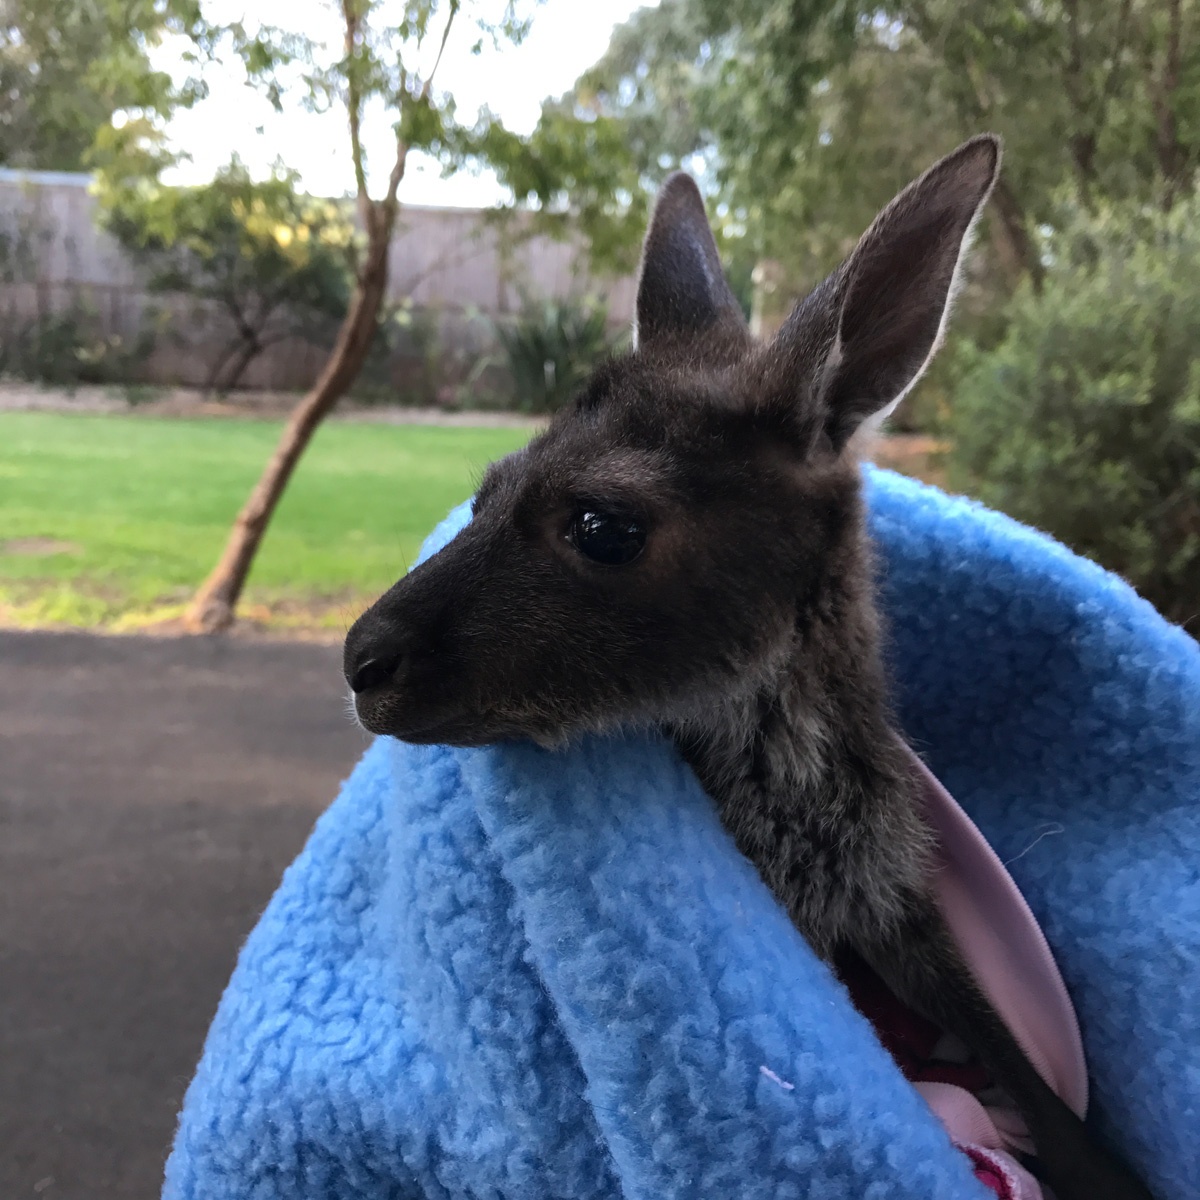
(812, 781)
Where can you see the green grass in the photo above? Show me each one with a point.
(140, 508)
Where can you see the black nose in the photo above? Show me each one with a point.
(374, 668)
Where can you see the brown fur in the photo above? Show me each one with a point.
(746, 626)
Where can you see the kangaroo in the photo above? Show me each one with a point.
(684, 548)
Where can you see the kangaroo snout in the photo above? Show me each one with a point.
(374, 667)
(376, 652)
(373, 658)
(382, 654)
(402, 666)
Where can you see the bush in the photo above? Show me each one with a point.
(68, 348)
(276, 261)
(551, 349)
(1085, 418)
(60, 347)
(425, 357)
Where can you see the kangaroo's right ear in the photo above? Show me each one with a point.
(682, 290)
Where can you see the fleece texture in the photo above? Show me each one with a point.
(509, 973)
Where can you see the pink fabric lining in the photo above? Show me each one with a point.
(1004, 946)
(1013, 964)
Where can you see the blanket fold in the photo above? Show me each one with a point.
(511, 973)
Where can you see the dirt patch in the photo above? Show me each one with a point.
(89, 604)
(319, 621)
(39, 547)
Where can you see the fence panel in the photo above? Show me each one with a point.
(462, 268)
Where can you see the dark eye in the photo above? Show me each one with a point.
(607, 538)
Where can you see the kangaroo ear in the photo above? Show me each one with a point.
(681, 290)
(879, 319)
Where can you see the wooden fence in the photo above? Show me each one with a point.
(461, 269)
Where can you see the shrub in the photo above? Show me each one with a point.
(550, 350)
(1085, 418)
(67, 348)
(40, 343)
(402, 366)
(276, 261)
(427, 357)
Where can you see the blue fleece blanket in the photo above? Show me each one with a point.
(514, 974)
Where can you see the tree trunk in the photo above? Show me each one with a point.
(1083, 155)
(241, 354)
(212, 608)
(249, 352)
(210, 383)
(1171, 158)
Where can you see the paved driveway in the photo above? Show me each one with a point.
(151, 793)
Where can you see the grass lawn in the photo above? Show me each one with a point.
(111, 521)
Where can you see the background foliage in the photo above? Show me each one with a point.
(1066, 395)
(1085, 419)
(551, 348)
(69, 67)
(277, 262)
(804, 117)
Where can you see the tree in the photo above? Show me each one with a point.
(600, 151)
(276, 261)
(68, 66)
(1097, 97)
(1085, 418)
(380, 62)
(679, 85)
(809, 115)
(629, 120)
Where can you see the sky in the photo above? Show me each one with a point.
(566, 37)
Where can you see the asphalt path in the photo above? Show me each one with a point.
(151, 793)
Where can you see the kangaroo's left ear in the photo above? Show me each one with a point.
(682, 291)
(866, 335)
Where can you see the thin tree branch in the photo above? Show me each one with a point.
(410, 283)
(353, 22)
(218, 368)
(397, 174)
(1087, 138)
(268, 306)
(1015, 223)
(1082, 139)
(402, 147)
(1073, 76)
(437, 62)
(249, 352)
(972, 105)
(233, 304)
